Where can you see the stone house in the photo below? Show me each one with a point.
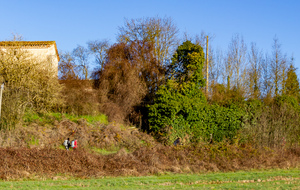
(42, 50)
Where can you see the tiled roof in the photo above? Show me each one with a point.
(30, 44)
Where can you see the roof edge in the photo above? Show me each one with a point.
(30, 43)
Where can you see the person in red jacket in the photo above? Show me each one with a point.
(74, 144)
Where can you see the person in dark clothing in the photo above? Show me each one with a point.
(177, 141)
(67, 144)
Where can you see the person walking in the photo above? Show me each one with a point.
(67, 144)
(177, 142)
(74, 144)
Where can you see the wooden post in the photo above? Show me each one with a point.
(207, 79)
(1, 89)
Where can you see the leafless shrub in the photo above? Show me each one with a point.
(79, 97)
(276, 126)
(120, 86)
(29, 84)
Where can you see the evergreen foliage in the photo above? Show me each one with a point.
(292, 84)
(180, 108)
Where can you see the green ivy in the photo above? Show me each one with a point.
(180, 108)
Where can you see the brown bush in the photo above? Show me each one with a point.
(275, 126)
(79, 97)
(37, 152)
(29, 163)
(120, 87)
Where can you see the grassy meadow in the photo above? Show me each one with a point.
(259, 179)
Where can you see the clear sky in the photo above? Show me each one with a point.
(74, 22)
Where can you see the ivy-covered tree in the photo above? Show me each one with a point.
(179, 102)
(180, 108)
(187, 64)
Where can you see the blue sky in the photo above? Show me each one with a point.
(74, 22)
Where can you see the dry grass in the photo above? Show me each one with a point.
(101, 136)
(36, 150)
(25, 163)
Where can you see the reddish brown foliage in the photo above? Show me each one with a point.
(130, 77)
(146, 157)
(79, 97)
(120, 88)
(23, 162)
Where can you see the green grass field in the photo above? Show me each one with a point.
(267, 179)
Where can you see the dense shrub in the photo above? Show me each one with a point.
(29, 84)
(120, 86)
(79, 97)
(180, 108)
(272, 125)
(191, 118)
(223, 122)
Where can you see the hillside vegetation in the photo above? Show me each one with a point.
(148, 90)
(35, 151)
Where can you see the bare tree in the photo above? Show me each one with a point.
(266, 88)
(216, 70)
(67, 69)
(162, 32)
(254, 71)
(81, 56)
(98, 48)
(228, 72)
(217, 73)
(199, 39)
(236, 62)
(278, 66)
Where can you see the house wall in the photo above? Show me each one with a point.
(47, 54)
(44, 51)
